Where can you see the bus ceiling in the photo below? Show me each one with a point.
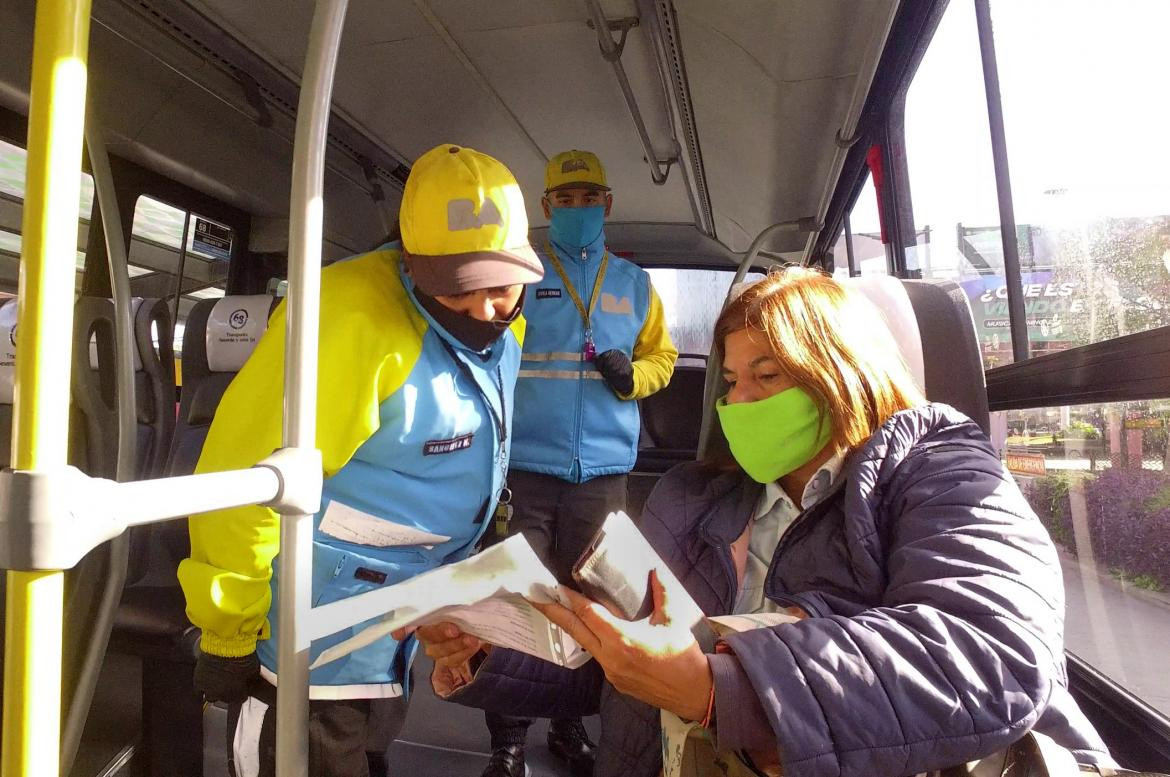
(722, 119)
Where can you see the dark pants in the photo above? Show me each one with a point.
(559, 519)
(347, 737)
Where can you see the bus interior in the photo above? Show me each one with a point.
(736, 136)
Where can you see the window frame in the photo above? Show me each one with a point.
(132, 181)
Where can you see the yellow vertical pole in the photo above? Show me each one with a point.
(32, 650)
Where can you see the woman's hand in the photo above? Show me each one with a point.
(656, 660)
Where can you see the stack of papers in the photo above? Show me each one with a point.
(486, 595)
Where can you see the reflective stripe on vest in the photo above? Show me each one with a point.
(563, 374)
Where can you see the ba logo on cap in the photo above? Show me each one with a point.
(238, 319)
(461, 215)
(569, 165)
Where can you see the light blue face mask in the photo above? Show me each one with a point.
(575, 228)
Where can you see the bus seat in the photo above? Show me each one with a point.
(95, 381)
(219, 337)
(888, 295)
(154, 333)
(7, 377)
(954, 372)
(151, 621)
(669, 417)
(932, 324)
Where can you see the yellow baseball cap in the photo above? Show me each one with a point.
(575, 170)
(464, 224)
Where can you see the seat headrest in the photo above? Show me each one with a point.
(889, 296)
(7, 350)
(135, 304)
(234, 326)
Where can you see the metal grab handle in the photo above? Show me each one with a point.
(715, 363)
(612, 54)
(50, 518)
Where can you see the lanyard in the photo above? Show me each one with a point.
(552, 256)
(500, 419)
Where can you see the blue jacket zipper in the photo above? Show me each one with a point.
(577, 431)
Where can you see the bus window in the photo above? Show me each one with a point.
(691, 300)
(866, 226)
(865, 231)
(1091, 196)
(952, 183)
(1098, 477)
(1099, 219)
(840, 256)
(12, 165)
(177, 255)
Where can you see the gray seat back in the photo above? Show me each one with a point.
(219, 337)
(94, 386)
(932, 324)
(7, 377)
(668, 416)
(953, 363)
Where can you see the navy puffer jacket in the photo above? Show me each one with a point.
(936, 628)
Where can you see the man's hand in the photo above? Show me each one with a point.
(451, 651)
(220, 678)
(656, 660)
(445, 680)
(617, 370)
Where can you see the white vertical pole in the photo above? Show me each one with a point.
(300, 379)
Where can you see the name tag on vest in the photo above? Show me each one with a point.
(548, 293)
(435, 447)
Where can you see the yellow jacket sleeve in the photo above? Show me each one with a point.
(370, 339)
(654, 353)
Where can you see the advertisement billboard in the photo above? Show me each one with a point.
(1051, 307)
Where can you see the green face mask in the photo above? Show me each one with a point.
(774, 436)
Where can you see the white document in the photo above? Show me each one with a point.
(733, 624)
(497, 581)
(352, 525)
(511, 621)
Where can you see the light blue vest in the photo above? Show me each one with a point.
(436, 464)
(569, 423)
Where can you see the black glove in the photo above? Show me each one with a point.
(220, 678)
(617, 370)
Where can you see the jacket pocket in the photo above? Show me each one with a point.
(340, 574)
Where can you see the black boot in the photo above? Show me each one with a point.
(568, 741)
(379, 767)
(506, 761)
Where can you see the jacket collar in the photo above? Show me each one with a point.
(816, 490)
(724, 508)
(731, 499)
(593, 251)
